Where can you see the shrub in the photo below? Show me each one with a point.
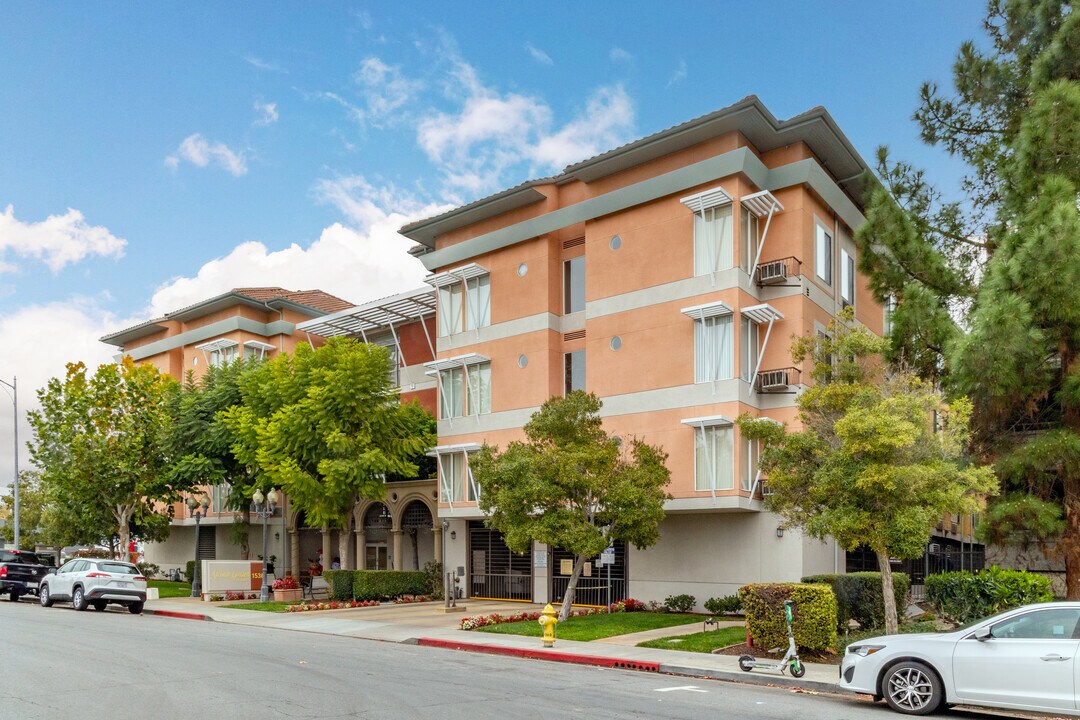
(814, 614)
(340, 583)
(859, 598)
(189, 571)
(434, 573)
(723, 605)
(150, 570)
(680, 603)
(380, 584)
(965, 596)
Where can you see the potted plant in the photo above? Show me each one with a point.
(286, 589)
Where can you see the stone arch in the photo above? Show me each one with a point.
(398, 507)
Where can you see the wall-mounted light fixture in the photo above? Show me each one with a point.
(453, 534)
(779, 531)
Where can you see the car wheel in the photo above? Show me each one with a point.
(13, 596)
(44, 597)
(99, 605)
(78, 599)
(912, 688)
(135, 608)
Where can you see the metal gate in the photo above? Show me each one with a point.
(496, 573)
(592, 586)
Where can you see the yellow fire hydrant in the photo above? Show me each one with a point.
(548, 619)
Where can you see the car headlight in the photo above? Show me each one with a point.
(864, 650)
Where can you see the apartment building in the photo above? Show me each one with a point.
(668, 276)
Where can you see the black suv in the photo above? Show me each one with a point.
(20, 573)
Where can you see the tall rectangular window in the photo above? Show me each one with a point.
(450, 303)
(393, 364)
(453, 465)
(847, 278)
(574, 368)
(451, 393)
(477, 302)
(223, 356)
(749, 350)
(748, 233)
(714, 458)
(479, 389)
(712, 240)
(823, 254)
(751, 455)
(574, 285)
(714, 352)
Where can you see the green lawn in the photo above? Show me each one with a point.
(702, 642)
(264, 607)
(168, 589)
(594, 627)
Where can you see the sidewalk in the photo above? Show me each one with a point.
(423, 625)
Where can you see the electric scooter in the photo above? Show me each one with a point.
(790, 659)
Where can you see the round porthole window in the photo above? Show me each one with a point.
(616, 342)
(615, 243)
(523, 360)
(194, 361)
(522, 269)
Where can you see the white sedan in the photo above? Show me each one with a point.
(1023, 659)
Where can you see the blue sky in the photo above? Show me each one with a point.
(156, 154)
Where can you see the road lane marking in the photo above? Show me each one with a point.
(688, 688)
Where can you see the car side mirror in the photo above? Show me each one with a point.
(983, 633)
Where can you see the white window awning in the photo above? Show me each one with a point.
(258, 345)
(708, 421)
(453, 362)
(219, 344)
(447, 449)
(762, 314)
(713, 309)
(714, 197)
(449, 277)
(762, 203)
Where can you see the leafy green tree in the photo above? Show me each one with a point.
(99, 444)
(32, 504)
(327, 427)
(868, 466)
(1015, 119)
(571, 485)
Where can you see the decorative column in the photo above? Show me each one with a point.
(327, 547)
(361, 549)
(436, 529)
(294, 553)
(397, 533)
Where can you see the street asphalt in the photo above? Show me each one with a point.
(60, 663)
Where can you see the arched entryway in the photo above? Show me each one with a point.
(419, 535)
(377, 525)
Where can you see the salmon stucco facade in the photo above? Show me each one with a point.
(667, 276)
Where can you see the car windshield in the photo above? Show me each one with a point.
(118, 568)
(14, 556)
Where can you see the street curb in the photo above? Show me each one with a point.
(182, 615)
(555, 656)
(751, 678)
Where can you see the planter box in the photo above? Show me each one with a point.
(287, 595)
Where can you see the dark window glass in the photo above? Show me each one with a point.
(574, 285)
(575, 371)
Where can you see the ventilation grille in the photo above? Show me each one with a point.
(576, 242)
(574, 335)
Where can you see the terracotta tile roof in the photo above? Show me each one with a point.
(312, 298)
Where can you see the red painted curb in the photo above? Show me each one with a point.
(175, 614)
(555, 656)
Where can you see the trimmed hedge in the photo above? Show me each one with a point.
(189, 571)
(966, 596)
(339, 584)
(814, 614)
(859, 597)
(383, 584)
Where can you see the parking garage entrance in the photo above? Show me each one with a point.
(495, 572)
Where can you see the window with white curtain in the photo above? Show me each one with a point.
(464, 305)
(479, 389)
(847, 278)
(714, 353)
(749, 349)
(450, 306)
(748, 234)
(453, 467)
(714, 458)
(223, 356)
(751, 454)
(451, 393)
(713, 240)
(823, 254)
(478, 302)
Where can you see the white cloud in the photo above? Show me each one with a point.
(268, 114)
(617, 54)
(492, 132)
(385, 90)
(679, 75)
(200, 152)
(261, 64)
(538, 55)
(58, 240)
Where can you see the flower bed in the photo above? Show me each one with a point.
(407, 599)
(471, 623)
(230, 595)
(332, 605)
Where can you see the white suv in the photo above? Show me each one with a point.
(92, 582)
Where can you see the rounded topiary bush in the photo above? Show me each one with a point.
(814, 623)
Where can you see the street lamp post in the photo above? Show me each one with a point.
(198, 511)
(14, 385)
(264, 508)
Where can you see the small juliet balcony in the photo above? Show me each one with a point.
(777, 272)
(781, 380)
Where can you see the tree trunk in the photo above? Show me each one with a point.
(1070, 540)
(568, 598)
(123, 521)
(888, 595)
(343, 539)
